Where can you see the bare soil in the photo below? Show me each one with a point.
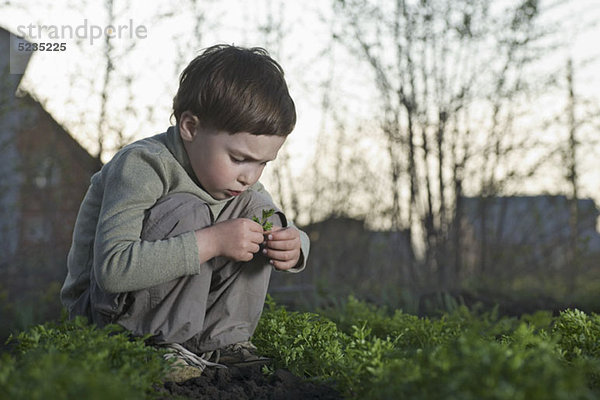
(248, 383)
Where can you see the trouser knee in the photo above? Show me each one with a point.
(175, 214)
(251, 204)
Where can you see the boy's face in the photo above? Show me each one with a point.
(226, 164)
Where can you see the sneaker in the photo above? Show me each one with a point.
(240, 355)
(185, 364)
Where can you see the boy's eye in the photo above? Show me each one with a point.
(238, 160)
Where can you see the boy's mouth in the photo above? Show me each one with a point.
(233, 192)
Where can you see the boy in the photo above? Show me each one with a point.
(164, 242)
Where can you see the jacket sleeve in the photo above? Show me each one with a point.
(132, 183)
(304, 240)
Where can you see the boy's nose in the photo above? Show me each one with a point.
(243, 180)
(248, 178)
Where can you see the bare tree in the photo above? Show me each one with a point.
(451, 78)
(572, 175)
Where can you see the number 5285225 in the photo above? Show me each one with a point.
(42, 46)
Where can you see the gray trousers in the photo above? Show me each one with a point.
(219, 306)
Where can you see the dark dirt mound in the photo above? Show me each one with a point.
(249, 383)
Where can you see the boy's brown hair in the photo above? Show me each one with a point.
(235, 89)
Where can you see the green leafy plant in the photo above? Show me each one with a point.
(474, 368)
(305, 343)
(578, 336)
(73, 360)
(363, 350)
(373, 353)
(311, 345)
(264, 222)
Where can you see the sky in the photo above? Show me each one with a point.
(60, 79)
(160, 47)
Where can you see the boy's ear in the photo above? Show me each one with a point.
(187, 126)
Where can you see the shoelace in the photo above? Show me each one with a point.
(243, 346)
(192, 359)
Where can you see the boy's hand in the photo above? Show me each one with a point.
(238, 239)
(283, 247)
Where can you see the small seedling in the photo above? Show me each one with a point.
(263, 221)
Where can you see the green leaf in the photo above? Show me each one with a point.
(264, 220)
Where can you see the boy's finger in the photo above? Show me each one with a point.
(283, 234)
(283, 265)
(258, 238)
(269, 234)
(256, 227)
(281, 255)
(283, 244)
(275, 228)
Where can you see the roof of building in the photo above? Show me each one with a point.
(530, 219)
